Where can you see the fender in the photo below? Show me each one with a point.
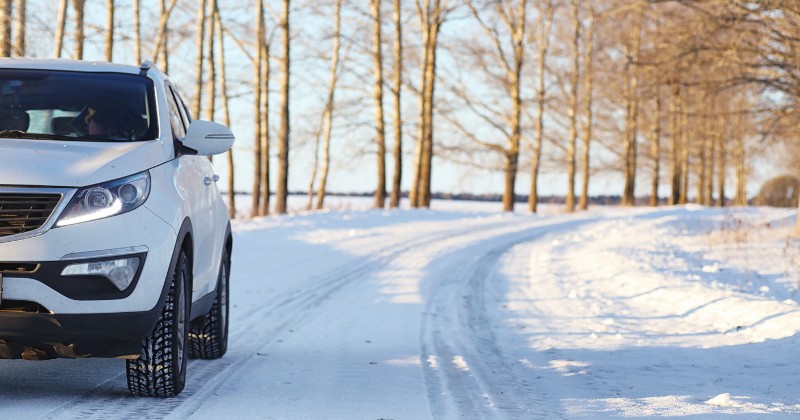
(184, 234)
(204, 304)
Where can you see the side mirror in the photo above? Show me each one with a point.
(208, 138)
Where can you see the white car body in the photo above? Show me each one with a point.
(183, 205)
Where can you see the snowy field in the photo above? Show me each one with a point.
(463, 312)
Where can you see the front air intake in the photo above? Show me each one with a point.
(20, 213)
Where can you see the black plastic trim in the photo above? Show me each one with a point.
(83, 287)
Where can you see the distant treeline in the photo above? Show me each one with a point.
(606, 200)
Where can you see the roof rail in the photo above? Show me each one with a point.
(146, 65)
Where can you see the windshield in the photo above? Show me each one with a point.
(79, 106)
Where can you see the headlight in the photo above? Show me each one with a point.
(107, 199)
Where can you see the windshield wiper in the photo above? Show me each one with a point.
(19, 134)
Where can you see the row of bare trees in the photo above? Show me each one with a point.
(681, 94)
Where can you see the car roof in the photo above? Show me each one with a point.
(63, 64)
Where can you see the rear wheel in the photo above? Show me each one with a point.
(160, 370)
(209, 340)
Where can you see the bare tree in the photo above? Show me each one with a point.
(545, 11)
(137, 32)
(632, 106)
(431, 16)
(380, 139)
(19, 28)
(257, 91)
(588, 78)
(200, 25)
(507, 48)
(394, 201)
(265, 133)
(211, 86)
(5, 28)
(282, 191)
(109, 30)
(572, 111)
(60, 24)
(226, 115)
(160, 53)
(329, 105)
(78, 7)
(655, 150)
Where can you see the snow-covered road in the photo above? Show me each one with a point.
(452, 314)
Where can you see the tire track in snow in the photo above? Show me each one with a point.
(204, 378)
(465, 371)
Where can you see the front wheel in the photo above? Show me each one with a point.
(210, 340)
(160, 370)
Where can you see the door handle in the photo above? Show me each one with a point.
(209, 180)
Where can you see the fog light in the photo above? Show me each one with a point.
(120, 272)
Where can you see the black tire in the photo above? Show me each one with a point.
(209, 340)
(160, 370)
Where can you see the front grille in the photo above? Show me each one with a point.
(20, 212)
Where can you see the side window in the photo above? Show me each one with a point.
(187, 116)
(175, 115)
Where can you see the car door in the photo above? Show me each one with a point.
(194, 180)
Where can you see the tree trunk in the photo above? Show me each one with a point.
(587, 86)
(265, 134)
(394, 201)
(200, 27)
(160, 49)
(5, 27)
(572, 111)
(329, 106)
(675, 109)
(431, 17)
(78, 7)
(211, 86)
(110, 30)
(137, 32)
(741, 172)
(257, 62)
(414, 193)
(545, 24)
(426, 172)
(684, 156)
(702, 163)
(160, 53)
(282, 192)
(19, 28)
(655, 151)
(314, 167)
(60, 26)
(377, 94)
(712, 166)
(226, 115)
(723, 162)
(632, 111)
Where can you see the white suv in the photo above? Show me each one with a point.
(114, 239)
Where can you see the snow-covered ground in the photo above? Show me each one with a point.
(463, 312)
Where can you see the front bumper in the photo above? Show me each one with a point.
(44, 315)
(65, 295)
(48, 336)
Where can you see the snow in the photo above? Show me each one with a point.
(464, 312)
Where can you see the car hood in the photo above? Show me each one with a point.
(73, 164)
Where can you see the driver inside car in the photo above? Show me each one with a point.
(106, 123)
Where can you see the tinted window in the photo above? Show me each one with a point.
(78, 106)
(178, 128)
